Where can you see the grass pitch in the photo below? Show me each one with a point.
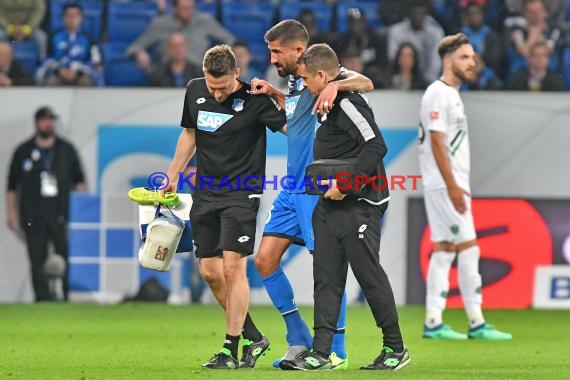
(148, 341)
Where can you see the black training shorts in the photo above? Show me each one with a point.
(227, 225)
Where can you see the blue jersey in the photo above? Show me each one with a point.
(301, 126)
(69, 48)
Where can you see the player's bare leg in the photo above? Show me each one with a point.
(237, 288)
(268, 264)
(212, 271)
(270, 253)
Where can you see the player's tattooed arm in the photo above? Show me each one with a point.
(352, 81)
(262, 87)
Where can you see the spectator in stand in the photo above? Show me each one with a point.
(244, 58)
(13, 72)
(200, 29)
(162, 5)
(485, 41)
(352, 60)
(308, 18)
(392, 11)
(74, 60)
(405, 73)
(555, 8)
(20, 20)
(525, 31)
(537, 77)
(424, 33)
(177, 70)
(486, 77)
(359, 37)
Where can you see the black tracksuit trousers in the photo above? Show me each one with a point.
(348, 231)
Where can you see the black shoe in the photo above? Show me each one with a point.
(307, 361)
(390, 360)
(222, 360)
(252, 351)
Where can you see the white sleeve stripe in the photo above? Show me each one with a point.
(357, 118)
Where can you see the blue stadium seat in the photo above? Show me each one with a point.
(92, 16)
(322, 11)
(28, 53)
(445, 11)
(248, 21)
(210, 7)
(121, 70)
(566, 70)
(127, 21)
(260, 55)
(370, 8)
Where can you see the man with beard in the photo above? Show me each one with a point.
(43, 172)
(289, 221)
(444, 164)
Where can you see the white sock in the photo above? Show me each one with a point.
(470, 285)
(437, 285)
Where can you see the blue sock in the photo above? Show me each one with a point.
(281, 293)
(338, 346)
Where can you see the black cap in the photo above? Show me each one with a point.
(45, 113)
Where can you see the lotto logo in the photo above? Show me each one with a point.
(361, 230)
(243, 239)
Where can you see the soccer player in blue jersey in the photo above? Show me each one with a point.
(290, 218)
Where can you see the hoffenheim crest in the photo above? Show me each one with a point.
(299, 84)
(238, 105)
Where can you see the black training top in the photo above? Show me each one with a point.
(28, 162)
(230, 139)
(349, 132)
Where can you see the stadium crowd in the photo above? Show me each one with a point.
(521, 44)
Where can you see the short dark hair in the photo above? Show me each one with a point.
(219, 61)
(44, 112)
(287, 31)
(451, 43)
(319, 57)
(70, 5)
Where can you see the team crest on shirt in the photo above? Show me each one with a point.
(238, 105)
(299, 85)
(434, 115)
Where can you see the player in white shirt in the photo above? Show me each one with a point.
(444, 164)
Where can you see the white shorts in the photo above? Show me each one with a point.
(445, 222)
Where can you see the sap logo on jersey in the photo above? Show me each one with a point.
(291, 105)
(211, 121)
